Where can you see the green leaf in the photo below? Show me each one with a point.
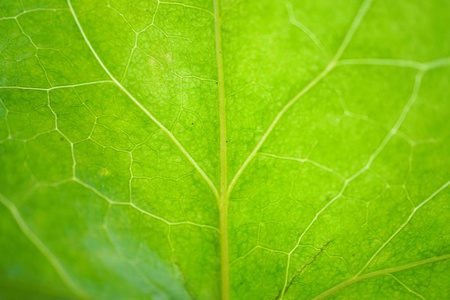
(224, 149)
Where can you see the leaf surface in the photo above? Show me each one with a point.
(193, 149)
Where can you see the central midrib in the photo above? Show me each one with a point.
(223, 191)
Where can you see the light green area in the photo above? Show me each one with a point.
(117, 180)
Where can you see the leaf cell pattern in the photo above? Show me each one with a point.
(224, 149)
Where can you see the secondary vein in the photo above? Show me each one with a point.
(142, 107)
(331, 65)
(381, 272)
(46, 252)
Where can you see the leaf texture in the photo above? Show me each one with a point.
(224, 149)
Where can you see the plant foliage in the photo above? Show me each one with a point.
(216, 149)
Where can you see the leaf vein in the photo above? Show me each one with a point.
(139, 104)
(46, 252)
